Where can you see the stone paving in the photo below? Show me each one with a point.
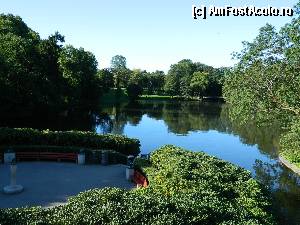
(49, 184)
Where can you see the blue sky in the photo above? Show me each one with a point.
(150, 34)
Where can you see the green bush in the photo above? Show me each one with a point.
(207, 190)
(28, 136)
(41, 148)
(91, 155)
(290, 144)
(185, 188)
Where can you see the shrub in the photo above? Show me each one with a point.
(290, 144)
(28, 136)
(206, 190)
(185, 188)
(91, 155)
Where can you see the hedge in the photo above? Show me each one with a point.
(91, 155)
(185, 188)
(207, 190)
(29, 136)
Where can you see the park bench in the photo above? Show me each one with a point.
(140, 179)
(58, 156)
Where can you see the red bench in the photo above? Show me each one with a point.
(46, 156)
(140, 179)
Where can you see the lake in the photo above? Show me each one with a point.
(196, 126)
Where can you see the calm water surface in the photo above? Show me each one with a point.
(198, 127)
(206, 127)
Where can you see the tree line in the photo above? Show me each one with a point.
(41, 74)
(264, 86)
(135, 81)
(185, 78)
(46, 75)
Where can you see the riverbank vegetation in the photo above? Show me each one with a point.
(185, 188)
(163, 97)
(185, 79)
(264, 85)
(290, 145)
(46, 76)
(112, 97)
(43, 75)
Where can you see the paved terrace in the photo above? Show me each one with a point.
(48, 184)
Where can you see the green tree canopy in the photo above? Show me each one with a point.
(120, 71)
(179, 75)
(79, 68)
(10, 24)
(118, 62)
(199, 83)
(22, 82)
(155, 81)
(40, 74)
(179, 78)
(135, 84)
(264, 85)
(106, 79)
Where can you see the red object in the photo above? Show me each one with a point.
(140, 179)
(46, 156)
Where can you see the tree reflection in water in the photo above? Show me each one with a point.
(284, 186)
(181, 118)
(184, 118)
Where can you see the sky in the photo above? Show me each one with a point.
(152, 35)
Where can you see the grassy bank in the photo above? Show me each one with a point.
(161, 97)
(112, 96)
(168, 97)
(185, 188)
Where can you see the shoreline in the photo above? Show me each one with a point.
(289, 165)
(167, 97)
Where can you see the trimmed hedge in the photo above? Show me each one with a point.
(91, 155)
(290, 144)
(207, 190)
(28, 136)
(185, 188)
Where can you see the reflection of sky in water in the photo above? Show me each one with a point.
(192, 118)
(154, 133)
